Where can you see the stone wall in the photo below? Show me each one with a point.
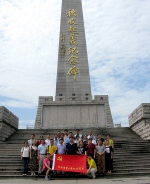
(8, 123)
(72, 112)
(139, 121)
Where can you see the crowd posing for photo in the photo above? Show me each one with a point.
(97, 149)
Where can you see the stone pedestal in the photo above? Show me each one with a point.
(139, 121)
(8, 123)
(73, 113)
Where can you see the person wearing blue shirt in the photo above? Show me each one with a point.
(41, 154)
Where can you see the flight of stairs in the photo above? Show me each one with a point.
(131, 155)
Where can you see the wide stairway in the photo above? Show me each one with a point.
(131, 156)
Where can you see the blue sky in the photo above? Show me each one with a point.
(118, 45)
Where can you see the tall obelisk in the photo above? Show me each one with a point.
(73, 70)
(73, 106)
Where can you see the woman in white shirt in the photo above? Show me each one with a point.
(25, 157)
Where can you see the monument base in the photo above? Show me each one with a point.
(73, 112)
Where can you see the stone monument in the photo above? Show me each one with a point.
(73, 106)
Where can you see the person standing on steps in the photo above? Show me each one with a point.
(91, 148)
(98, 138)
(90, 133)
(61, 148)
(39, 141)
(41, 154)
(52, 148)
(25, 153)
(56, 141)
(47, 141)
(111, 143)
(33, 158)
(108, 157)
(31, 140)
(100, 149)
(71, 147)
(78, 134)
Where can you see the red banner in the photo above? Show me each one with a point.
(69, 163)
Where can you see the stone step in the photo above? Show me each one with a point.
(131, 156)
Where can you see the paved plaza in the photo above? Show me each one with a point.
(129, 180)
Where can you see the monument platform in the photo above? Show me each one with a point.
(73, 113)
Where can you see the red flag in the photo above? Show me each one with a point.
(71, 163)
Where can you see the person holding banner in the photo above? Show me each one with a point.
(92, 169)
(61, 148)
(46, 165)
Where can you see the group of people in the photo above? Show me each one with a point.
(95, 147)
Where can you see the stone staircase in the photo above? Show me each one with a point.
(131, 157)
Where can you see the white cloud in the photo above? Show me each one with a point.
(118, 47)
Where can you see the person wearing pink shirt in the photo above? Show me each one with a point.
(46, 165)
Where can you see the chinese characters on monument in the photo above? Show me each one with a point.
(72, 50)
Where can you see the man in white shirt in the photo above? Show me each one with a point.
(47, 141)
(30, 141)
(89, 136)
(66, 136)
(78, 133)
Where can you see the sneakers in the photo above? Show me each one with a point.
(31, 173)
(94, 177)
(46, 178)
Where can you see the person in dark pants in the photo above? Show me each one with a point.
(25, 157)
(108, 157)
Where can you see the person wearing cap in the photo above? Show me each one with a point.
(71, 147)
(92, 169)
